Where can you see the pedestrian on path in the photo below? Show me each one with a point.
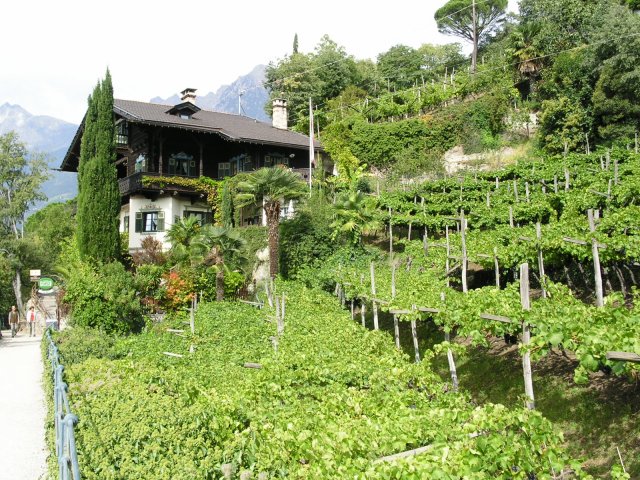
(31, 320)
(13, 321)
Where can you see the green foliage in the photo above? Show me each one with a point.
(305, 240)
(102, 296)
(334, 398)
(226, 205)
(204, 185)
(320, 75)
(98, 192)
(617, 61)
(78, 344)
(563, 122)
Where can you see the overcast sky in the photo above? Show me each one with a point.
(53, 52)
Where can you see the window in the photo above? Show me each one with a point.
(141, 163)
(274, 159)
(122, 132)
(147, 222)
(224, 169)
(125, 223)
(182, 164)
(204, 218)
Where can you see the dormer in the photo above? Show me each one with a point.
(187, 108)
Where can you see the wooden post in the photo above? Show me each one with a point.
(279, 322)
(526, 190)
(396, 330)
(615, 171)
(515, 189)
(352, 311)
(448, 247)
(497, 183)
(496, 266)
(363, 309)
(555, 184)
(566, 180)
(540, 260)
(450, 359)
(414, 334)
(597, 273)
(510, 216)
(393, 280)
(463, 238)
(587, 150)
(227, 470)
(601, 163)
(409, 234)
(488, 200)
(373, 294)
(390, 235)
(526, 337)
(608, 159)
(425, 242)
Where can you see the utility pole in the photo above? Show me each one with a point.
(240, 102)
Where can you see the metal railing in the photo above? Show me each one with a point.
(64, 420)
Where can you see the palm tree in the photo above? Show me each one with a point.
(181, 235)
(270, 187)
(355, 215)
(219, 247)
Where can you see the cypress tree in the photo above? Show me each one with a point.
(99, 196)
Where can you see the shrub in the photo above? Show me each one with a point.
(103, 297)
(79, 343)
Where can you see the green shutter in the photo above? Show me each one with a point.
(160, 227)
(138, 221)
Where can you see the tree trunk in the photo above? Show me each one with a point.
(272, 210)
(220, 282)
(17, 290)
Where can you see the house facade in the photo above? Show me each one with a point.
(184, 141)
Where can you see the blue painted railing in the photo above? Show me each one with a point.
(64, 420)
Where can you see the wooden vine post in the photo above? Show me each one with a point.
(526, 337)
(566, 180)
(496, 266)
(373, 294)
(450, 359)
(396, 326)
(510, 216)
(448, 247)
(596, 260)
(414, 334)
(390, 234)
(463, 228)
(540, 260)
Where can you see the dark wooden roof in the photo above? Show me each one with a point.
(231, 127)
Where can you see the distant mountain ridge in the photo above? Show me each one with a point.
(48, 135)
(225, 99)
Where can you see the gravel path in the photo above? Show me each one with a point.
(23, 451)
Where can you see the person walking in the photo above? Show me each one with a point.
(31, 320)
(13, 321)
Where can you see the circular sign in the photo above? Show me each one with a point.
(45, 283)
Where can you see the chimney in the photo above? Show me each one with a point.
(280, 113)
(189, 95)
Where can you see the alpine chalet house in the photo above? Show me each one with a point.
(185, 141)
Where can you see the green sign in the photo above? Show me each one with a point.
(45, 283)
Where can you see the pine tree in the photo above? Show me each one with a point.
(295, 43)
(99, 196)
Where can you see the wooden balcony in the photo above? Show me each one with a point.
(133, 184)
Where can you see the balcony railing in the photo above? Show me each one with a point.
(133, 183)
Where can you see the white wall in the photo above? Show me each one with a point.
(172, 206)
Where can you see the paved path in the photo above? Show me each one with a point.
(23, 451)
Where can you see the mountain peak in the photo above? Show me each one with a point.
(249, 88)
